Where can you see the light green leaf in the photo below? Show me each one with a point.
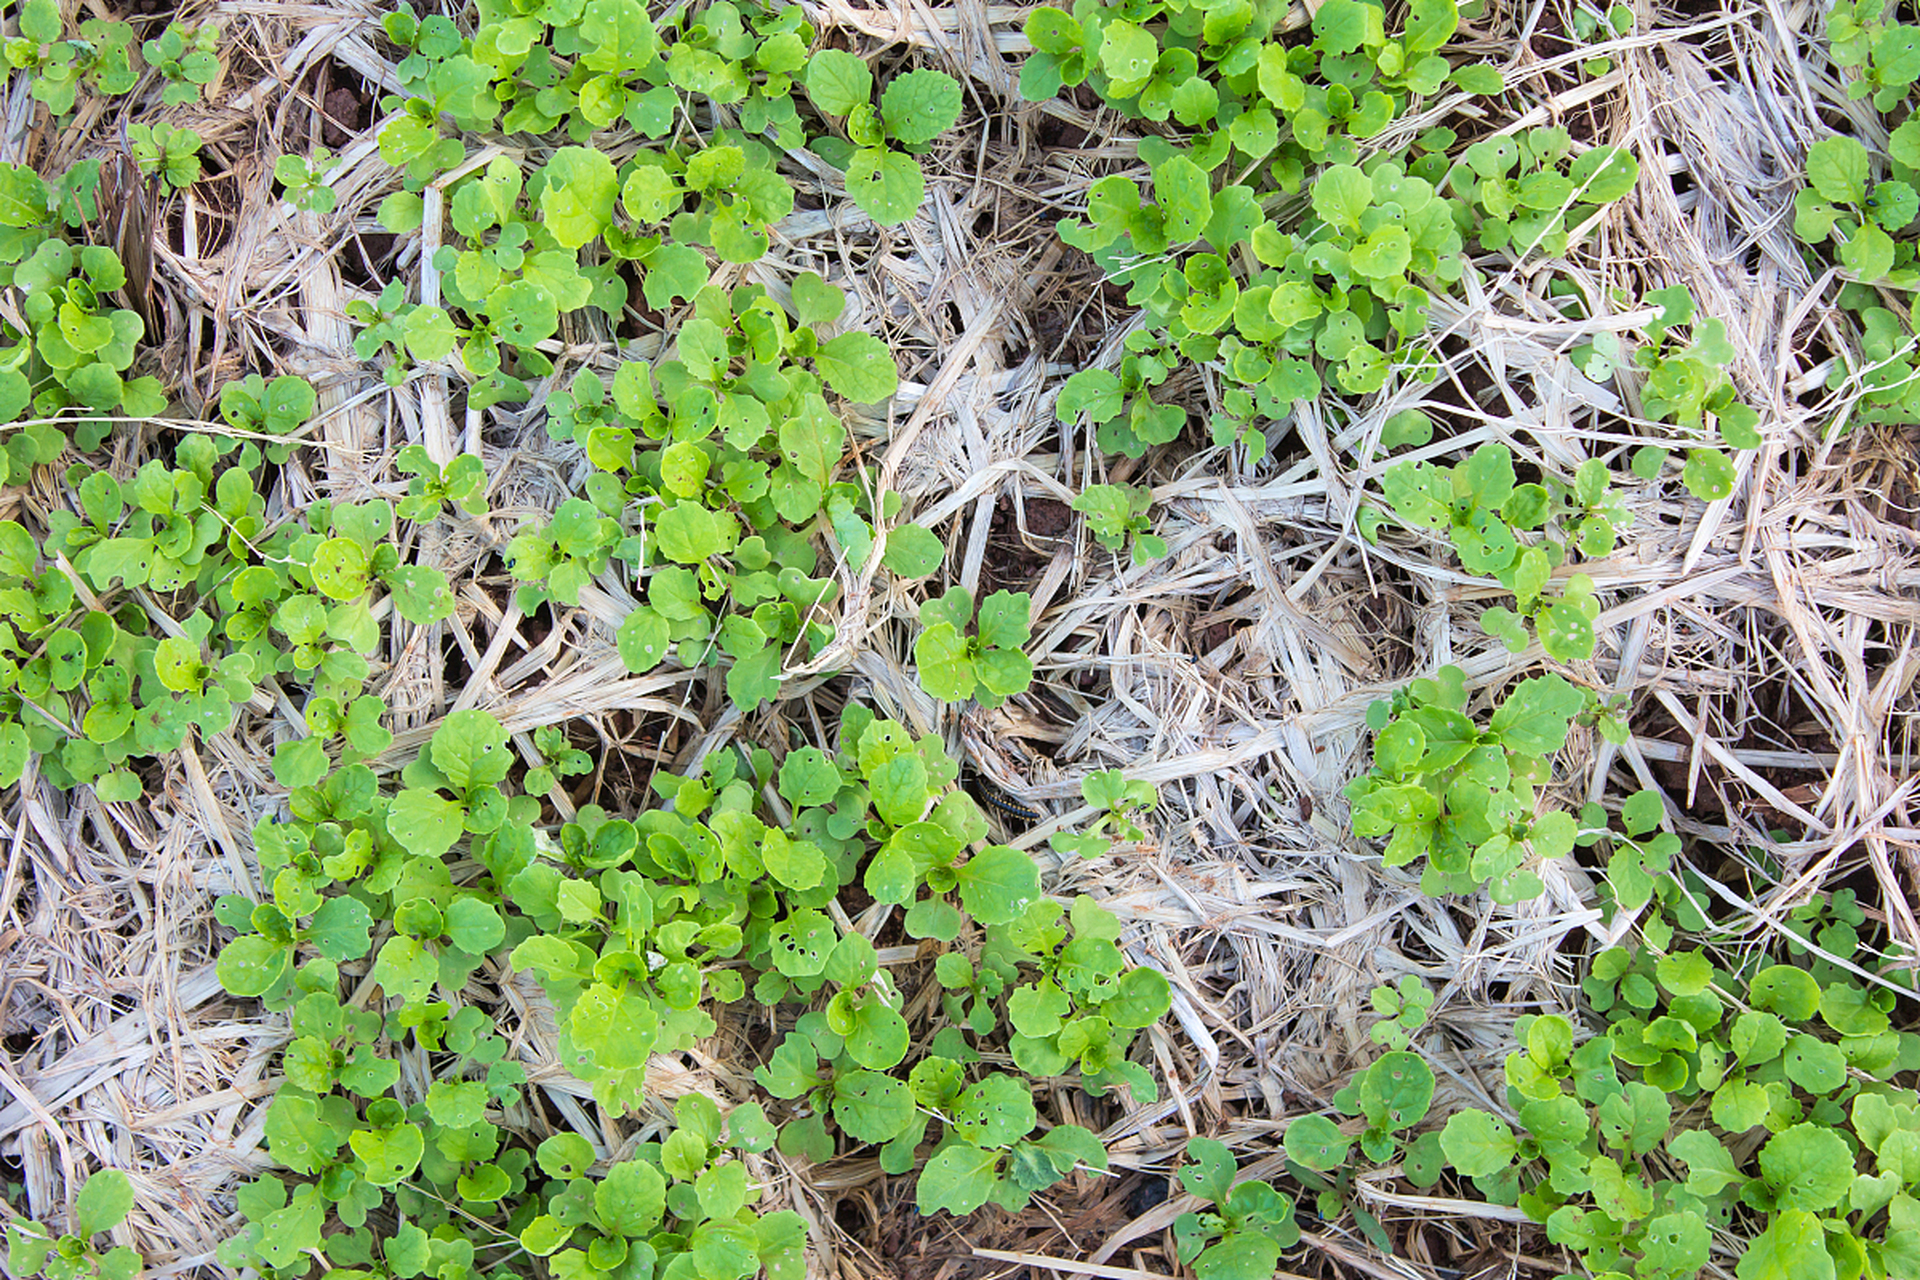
(405, 970)
(838, 82)
(1341, 195)
(470, 750)
(945, 670)
(1793, 1247)
(959, 1179)
(425, 823)
(389, 1154)
(871, 1107)
(1534, 718)
(858, 365)
(1245, 1255)
(996, 1112)
(998, 883)
(475, 925)
(1317, 1143)
(631, 1199)
(1478, 1144)
(104, 1202)
(577, 201)
(887, 184)
(1810, 1166)
(913, 551)
(920, 106)
(815, 301)
(1837, 169)
(250, 965)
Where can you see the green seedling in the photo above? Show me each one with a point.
(879, 153)
(987, 665)
(1117, 513)
(103, 1203)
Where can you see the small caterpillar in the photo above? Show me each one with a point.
(1011, 807)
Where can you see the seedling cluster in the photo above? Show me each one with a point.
(1277, 248)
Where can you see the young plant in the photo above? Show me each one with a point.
(463, 482)
(1085, 1006)
(1885, 369)
(987, 666)
(879, 155)
(558, 759)
(278, 408)
(1590, 23)
(358, 557)
(1769, 1085)
(1248, 1227)
(1392, 1095)
(1126, 417)
(100, 57)
(81, 345)
(1118, 512)
(1531, 192)
(1402, 1009)
(1844, 204)
(1640, 859)
(403, 332)
(303, 183)
(1462, 794)
(1688, 385)
(185, 59)
(1867, 39)
(1124, 802)
(1488, 517)
(103, 1203)
(173, 153)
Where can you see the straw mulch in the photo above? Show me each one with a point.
(1767, 642)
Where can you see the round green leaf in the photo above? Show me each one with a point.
(996, 1112)
(998, 883)
(1478, 1144)
(1783, 989)
(871, 1107)
(959, 1179)
(1810, 1166)
(802, 943)
(1317, 1143)
(886, 184)
(389, 1154)
(838, 82)
(250, 965)
(920, 106)
(103, 1202)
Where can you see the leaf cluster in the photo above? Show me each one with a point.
(1117, 514)
(102, 1204)
(1843, 203)
(77, 346)
(1125, 802)
(1492, 521)
(960, 656)
(634, 929)
(303, 181)
(1463, 795)
(169, 151)
(1242, 1236)
(880, 150)
(98, 56)
(1760, 1093)
(184, 56)
(1530, 192)
(1880, 53)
